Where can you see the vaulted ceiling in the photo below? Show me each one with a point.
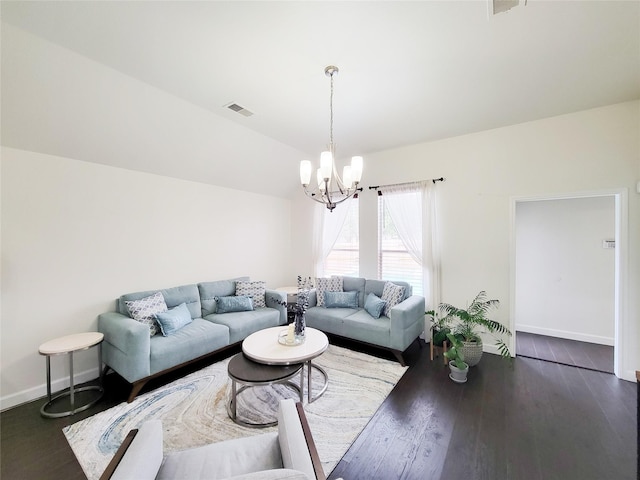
(409, 71)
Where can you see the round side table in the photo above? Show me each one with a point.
(69, 345)
(250, 374)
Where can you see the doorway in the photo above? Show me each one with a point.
(566, 278)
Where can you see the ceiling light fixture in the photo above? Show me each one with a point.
(331, 189)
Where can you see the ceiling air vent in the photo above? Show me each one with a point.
(500, 6)
(239, 109)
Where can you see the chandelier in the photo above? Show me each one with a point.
(331, 189)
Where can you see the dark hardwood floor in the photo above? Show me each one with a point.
(568, 352)
(521, 420)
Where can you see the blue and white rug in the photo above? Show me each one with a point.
(193, 410)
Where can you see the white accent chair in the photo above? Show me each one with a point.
(289, 453)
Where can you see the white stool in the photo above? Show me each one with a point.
(69, 345)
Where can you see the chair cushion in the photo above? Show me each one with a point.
(224, 459)
(277, 474)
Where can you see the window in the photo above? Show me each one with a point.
(394, 260)
(344, 258)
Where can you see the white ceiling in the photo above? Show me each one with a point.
(409, 71)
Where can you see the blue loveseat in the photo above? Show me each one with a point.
(137, 356)
(394, 331)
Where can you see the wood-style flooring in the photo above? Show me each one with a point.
(520, 420)
(568, 352)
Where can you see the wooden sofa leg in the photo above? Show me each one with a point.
(135, 390)
(399, 357)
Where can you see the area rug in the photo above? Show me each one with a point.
(193, 410)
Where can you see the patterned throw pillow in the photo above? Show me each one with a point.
(333, 284)
(144, 309)
(255, 290)
(393, 295)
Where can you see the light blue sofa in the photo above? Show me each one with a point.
(394, 333)
(129, 350)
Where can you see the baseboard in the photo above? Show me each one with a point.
(581, 337)
(26, 396)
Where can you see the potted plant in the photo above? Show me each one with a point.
(471, 322)
(439, 329)
(459, 368)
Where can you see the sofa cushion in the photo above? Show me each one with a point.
(173, 297)
(392, 294)
(255, 290)
(333, 284)
(191, 341)
(144, 309)
(235, 303)
(173, 319)
(363, 327)
(341, 299)
(374, 305)
(243, 324)
(330, 320)
(377, 286)
(210, 290)
(357, 284)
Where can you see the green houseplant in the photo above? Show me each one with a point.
(459, 368)
(439, 327)
(471, 322)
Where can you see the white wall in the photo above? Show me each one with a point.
(76, 235)
(565, 279)
(592, 150)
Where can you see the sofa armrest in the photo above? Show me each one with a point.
(407, 312)
(296, 442)
(277, 300)
(127, 345)
(125, 333)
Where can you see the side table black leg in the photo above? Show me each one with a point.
(48, 379)
(233, 400)
(71, 389)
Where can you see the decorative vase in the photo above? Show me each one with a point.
(299, 327)
(458, 375)
(472, 352)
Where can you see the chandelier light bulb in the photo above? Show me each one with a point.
(305, 172)
(356, 169)
(346, 176)
(326, 164)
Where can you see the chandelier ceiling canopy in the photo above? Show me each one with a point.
(331, 189)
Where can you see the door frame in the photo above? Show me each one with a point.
(620, 196)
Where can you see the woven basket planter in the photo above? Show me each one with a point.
(472, 352)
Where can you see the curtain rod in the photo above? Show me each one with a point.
(434, 180)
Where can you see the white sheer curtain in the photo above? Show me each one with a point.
(327, 227)
(412, 207)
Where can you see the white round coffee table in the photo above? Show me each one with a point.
(263, 347)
